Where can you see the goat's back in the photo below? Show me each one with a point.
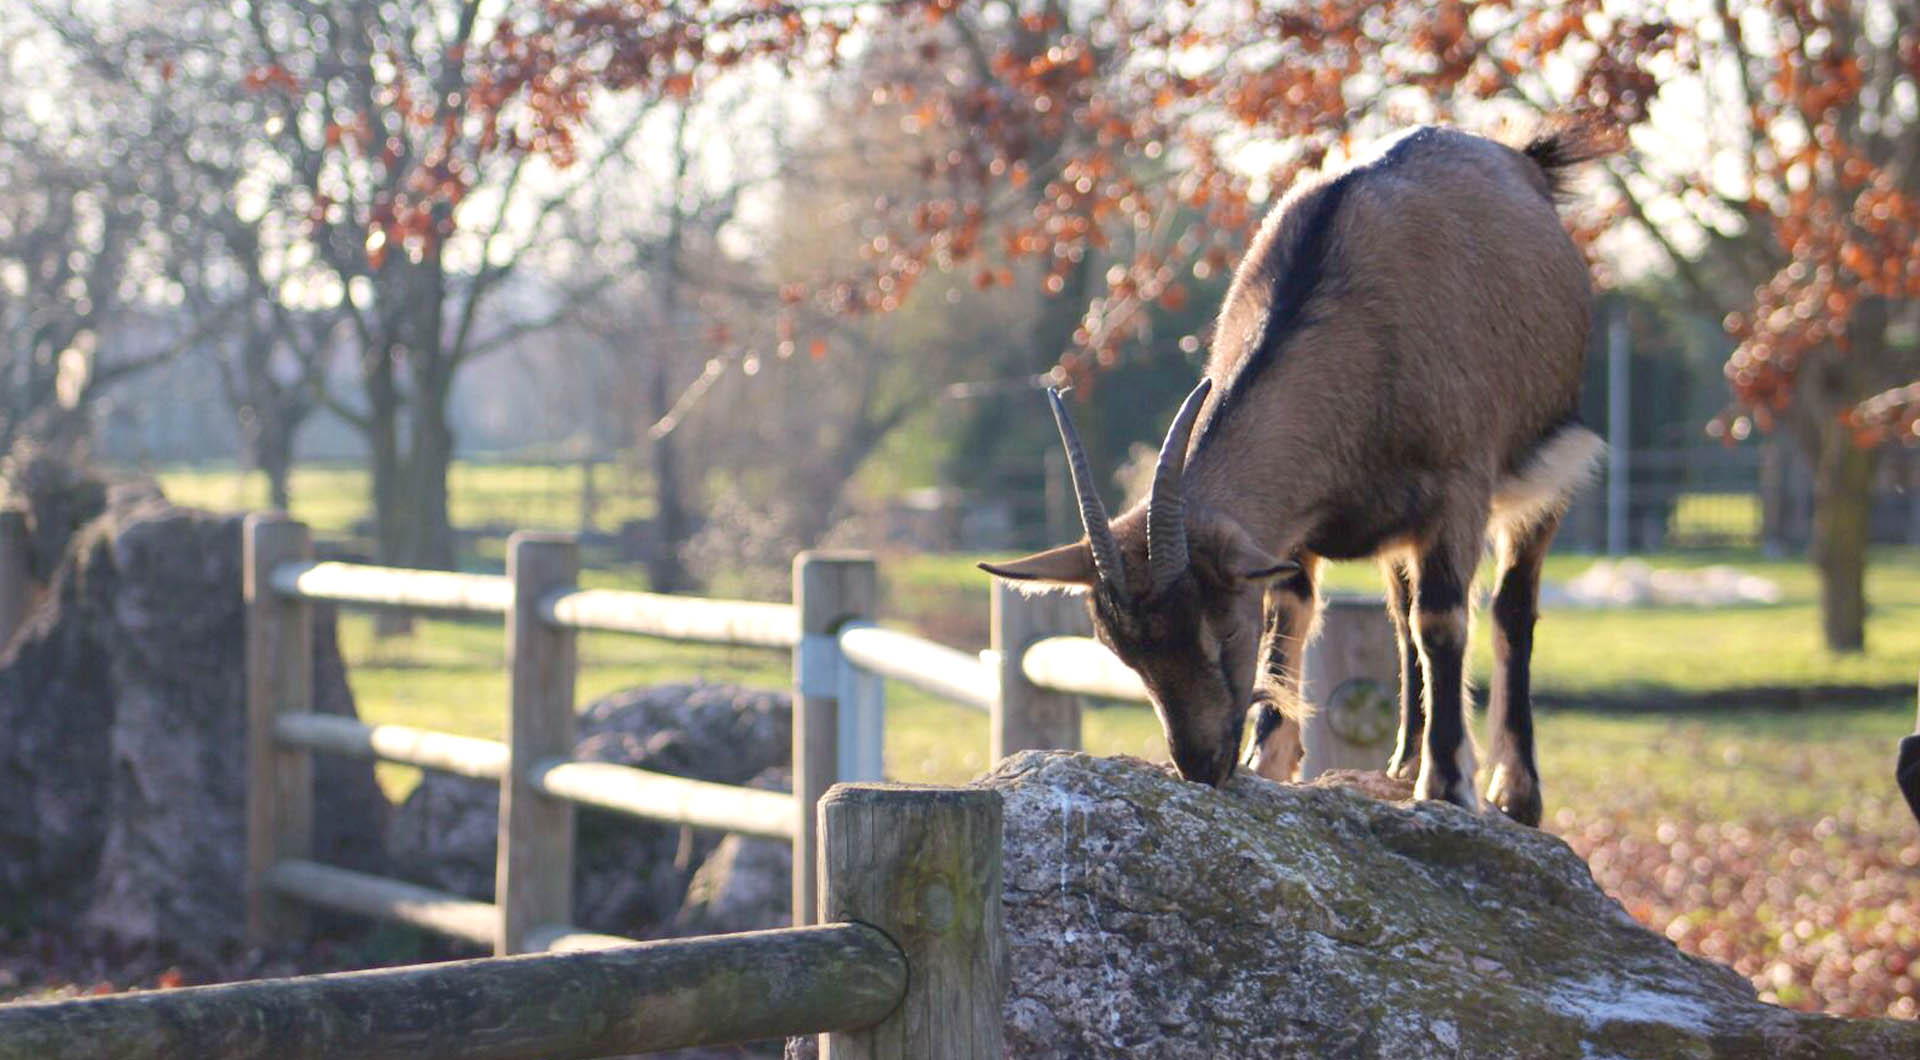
(1439, 332)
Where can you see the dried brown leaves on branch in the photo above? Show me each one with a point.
(1147, 135)
(1831, 174)
(1143, 135)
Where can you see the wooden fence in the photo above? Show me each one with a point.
(617, 995)
(539, 784)
(1031, 683)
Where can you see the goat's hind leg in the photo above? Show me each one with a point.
(1278, 711)
(1515, 783)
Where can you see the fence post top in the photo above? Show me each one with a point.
(542, 537)
(832, 555)
(272, 517)
(876, 793)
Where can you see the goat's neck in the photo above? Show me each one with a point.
(1258, 486)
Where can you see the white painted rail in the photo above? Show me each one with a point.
(1081, 665)
(431, 590)
(607, 785)
(440, 911)
(659, 797)
(921, 663)
(357, 892)
(739, 622)
(465, 756)
(560, 938)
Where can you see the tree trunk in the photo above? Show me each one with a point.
(273, 450)
(390, 518)
(389, 489)
(665, 569)
(431, 457)
(277, 461)
(666, 572)
(1774, 498)
(1843, 502)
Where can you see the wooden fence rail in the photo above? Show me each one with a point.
(921, 663)
(891, 854)
(467, 756)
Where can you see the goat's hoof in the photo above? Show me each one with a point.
(1516, 794)
(1432, 787)
(1406, 768)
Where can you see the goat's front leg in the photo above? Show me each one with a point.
(1443, 572)
(1278, 711)
(1405, 762)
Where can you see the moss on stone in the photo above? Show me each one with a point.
(1152, 917)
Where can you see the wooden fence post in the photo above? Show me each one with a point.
(829, 590)
(1026, 716)
(533, 878)
(1351, 677)
(923, 865)
(16, 572)
(279, 681)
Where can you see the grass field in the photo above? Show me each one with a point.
(332, 499)
(449, 675)
(1645, 653)
(1603, 653)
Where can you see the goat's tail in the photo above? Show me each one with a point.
(1563, 142)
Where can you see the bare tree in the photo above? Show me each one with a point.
(671, 294)
(79, 250)
(375, 184)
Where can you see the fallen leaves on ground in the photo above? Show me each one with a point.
(1821, 915)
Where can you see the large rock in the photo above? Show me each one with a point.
(631, 877)
(122, 738)
(1147, 916)
(58, 496)
(745, 884)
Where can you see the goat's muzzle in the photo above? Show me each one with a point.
(1210, 765)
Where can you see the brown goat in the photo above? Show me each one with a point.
(1395, 373)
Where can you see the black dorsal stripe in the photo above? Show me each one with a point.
(1295, 271)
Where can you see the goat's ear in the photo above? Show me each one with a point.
(1069, 565)
(1264, 567)
(1233, 553)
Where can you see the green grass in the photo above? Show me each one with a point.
(1715, 518)
(1765, 767)
(1578, 653)
(1609, 652)
(329, 499)
(450, 676)
(332, 499)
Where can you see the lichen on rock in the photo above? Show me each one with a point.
(1147, 916)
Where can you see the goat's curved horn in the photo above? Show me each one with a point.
(1093, 514)
(1166, 506)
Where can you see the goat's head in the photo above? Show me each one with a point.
(1175, 590)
